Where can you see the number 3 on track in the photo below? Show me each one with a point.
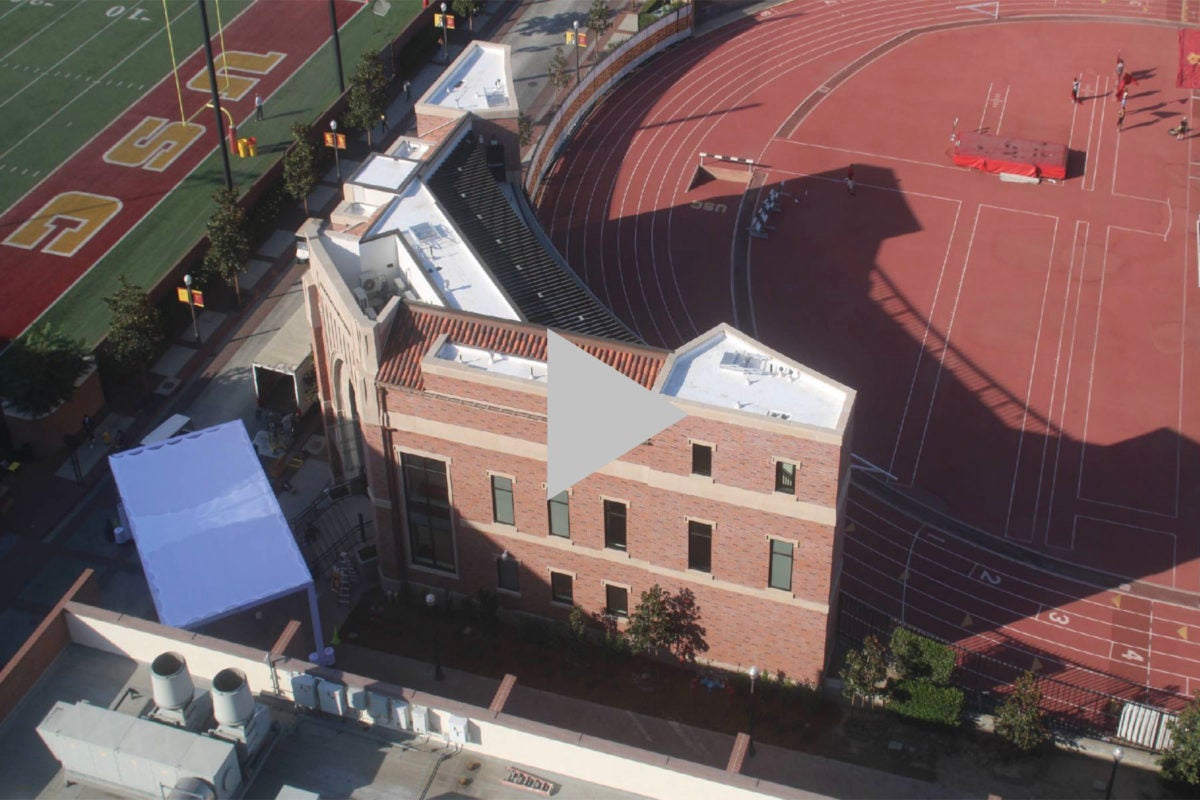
(1058, 618)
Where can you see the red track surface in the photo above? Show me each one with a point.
(1025, 355)
(32, 280)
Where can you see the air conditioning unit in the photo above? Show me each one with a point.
(400, 715)
(304, 689)
(331, 697)
(360, 295)
(457, 729)
(371, 282)
(420, 719)
(379, 708)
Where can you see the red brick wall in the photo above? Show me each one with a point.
(764, 627)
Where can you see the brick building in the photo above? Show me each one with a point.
(430, 294)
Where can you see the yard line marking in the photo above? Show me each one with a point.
(82, 45)
(33, 36)
(85, 90)
(16, 5)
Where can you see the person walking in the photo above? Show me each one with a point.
(408, 90)
(89, 427)
(1182, 130)
(258, 107)
(1120, 118)
(1075, 91)
(1124, 98)
(1120, 66)
(850, 180)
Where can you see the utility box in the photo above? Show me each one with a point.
(456, 729)
(420, 719)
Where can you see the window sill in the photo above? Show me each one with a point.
(562, 604)
(507, 592)
(776, 589)
(433, 570)
(701, 573)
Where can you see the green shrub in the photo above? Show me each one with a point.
(918, 657)
(924, 701)
(1020, 719)
(1181, 761)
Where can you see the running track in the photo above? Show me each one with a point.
(31, 280)
(664, 258)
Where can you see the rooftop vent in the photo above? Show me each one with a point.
(744, 362)
(177, 701)
(779, 414)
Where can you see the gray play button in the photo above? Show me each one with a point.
(595, 414)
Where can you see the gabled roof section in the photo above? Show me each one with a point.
(724, 368)
(420, 325)
(544, 291)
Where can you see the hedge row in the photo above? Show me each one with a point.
(922, 700)
(917, 657)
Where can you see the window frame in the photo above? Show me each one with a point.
(699, 446)
(512, 498)
(608, 608)
(515, 565)
(570, 578)
(565, 494)
(791, 562)
(780, 465)
(692, 536)
(610, 542)
(428, 517)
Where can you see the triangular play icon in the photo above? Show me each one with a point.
(594, 414)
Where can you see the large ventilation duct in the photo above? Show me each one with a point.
(232, 702)
(171, 683)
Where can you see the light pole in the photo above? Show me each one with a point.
(431, 602)
(445, 40)
(187, 281)
(575, 25)
(337, 165)
(1117, 755)
(753, 678)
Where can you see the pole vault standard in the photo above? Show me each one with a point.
(216, 94)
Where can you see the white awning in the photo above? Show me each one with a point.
(289, 347)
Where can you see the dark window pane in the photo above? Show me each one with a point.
(560, 515)
(699, 546)
(502, 500)
(561, 588)
(616, 600)
(781, 565)
(701, 459)
(508, 574)
(785, 477)
(614, 525)
(426, 500)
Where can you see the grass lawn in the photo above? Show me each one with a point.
(159, 240)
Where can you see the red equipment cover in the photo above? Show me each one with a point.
(1026, 157)
(1188, 76)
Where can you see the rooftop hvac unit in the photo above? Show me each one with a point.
(379, 708)
(239, 718)
(192, 789)
(371, 282)
(420, 719)
(457, 729)
(304, 690)
(361, 296)
(331, 697)
(176, 699)
(401, 717)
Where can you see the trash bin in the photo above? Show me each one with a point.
(252, 146)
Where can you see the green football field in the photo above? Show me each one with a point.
(68, 68)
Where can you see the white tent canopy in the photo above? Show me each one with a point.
(208, 527)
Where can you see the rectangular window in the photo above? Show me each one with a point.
(614, 525)
(502, 500)
(781, 565)
(699, 546)
(562, 588)
(507, 574)
(427, 508)
(560, 515)
(616, 600)
(785, 477)
(701, 460)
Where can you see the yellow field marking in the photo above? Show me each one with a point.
(154, 144)
(238, 86)
(69, 220)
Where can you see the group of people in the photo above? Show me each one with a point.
(759, 226)
(1125, 79)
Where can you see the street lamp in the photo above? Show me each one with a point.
(753, 678)
(187, 281)
(431, 602)
(1117, 755)
(337, 165)
(575, 24)
(445, 41)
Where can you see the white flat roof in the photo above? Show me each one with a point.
(491, 361)
(384, 172)
(476, 81)
(443, 255)
(731, 371)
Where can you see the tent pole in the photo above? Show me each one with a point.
(315, 613)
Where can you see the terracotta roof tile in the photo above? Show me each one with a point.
(418, 326)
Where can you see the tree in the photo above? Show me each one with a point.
(300, 165)
(38, 371)
(599, 20)
(1019, 719)
(368, 95)
(524, 129)
(1181, 761)
(229, 242)
(865, 669)
(558, 71)
(662, 621)
(466, 8)
(135, 333)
